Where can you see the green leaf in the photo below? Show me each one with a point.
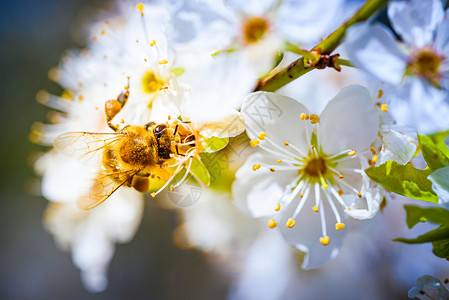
(178, 71)
(200, 172)
(436, 215)
(434, 150)
(404, 180)
(438, 234)
(441, 248)
(214, 144)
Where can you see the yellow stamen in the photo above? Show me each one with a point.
(272, 224)
(256, 167)
(279, 161)
(325, 240)
(312, 146)
(278, 207)
(301, 195)
(340, 192)
(290, 223)
(272, 169)
(375, 158)
(304, 116)
(163, 62)
(172, 188)
(139, 6)
(352, 153)
(359, 194)
(153, 43)
(380, 94)
(373, 151)
(383, 107)
(254, 143)
(262, 135)
(339, 226)
(153, 194)
(315, 208)
(314, 119)
(340, 177)
(286, 144)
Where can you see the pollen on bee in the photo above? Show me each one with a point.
(304, 116)
(352, 153)
(262, 135)
(163, 62)
(384, 107)
(325, 240)
(339, 226)
(278, 207)
(256, 167)
(315, 208)
(139, 7)
(290, 223)
(272, 224)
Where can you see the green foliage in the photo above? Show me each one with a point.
(178, 71)
(214, 144)
(200, 172)
(404, 180)
(434, 150)
(439, 237)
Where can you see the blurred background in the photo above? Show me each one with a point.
(33, 37)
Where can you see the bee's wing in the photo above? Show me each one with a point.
(85, 145)
(103, 186)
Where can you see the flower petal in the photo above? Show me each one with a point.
(368, 206)
(440, 184)
(306, 233)
(251, 7)
(421, 106)
(374, 49)
(416, 20)
(397, 147)
(258, 192)
(278, 116)
(349, 121)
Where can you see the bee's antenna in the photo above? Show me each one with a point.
(176, 130)
(177, 151)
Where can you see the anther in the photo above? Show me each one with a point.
(256, 167)
(172, 188)
(153, 194)
(324, 186)
(163, 62)
(339, 226)
(262, 135)
(312, 146)
(315, 208)
(272, 169)
(279, 161)
(301, 195)
(352, 153)
(278, 207)
(290, 223)
(103, 32)
(325, 240)
(304, 116)
(139, 7)
(375, 158)
(314, 119)
(153, 43)
(340, 192)
(272, 224)
(384, 107)
(286, 144)
(380, 94)
(373, 151)
(254, 143)
(359, 194)
(340, 177)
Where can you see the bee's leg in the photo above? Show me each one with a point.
(141, 184)
(176, 130)
(177, 151)
(113, 107)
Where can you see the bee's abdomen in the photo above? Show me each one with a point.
(137, 151)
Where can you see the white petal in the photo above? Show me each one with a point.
(278, 116)
(258, 192)
(349, 121)
(440, 184)
(251, 7)
(397, 147)
(306, 233)
(374, 49)
(368, 206)
(421, 106)
(416, 20)
(311, 24)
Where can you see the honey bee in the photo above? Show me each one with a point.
(128, 157)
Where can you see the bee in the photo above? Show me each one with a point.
(130, 156)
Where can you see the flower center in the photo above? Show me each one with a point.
(315, 167)
(254, 29)
(151, 83)
(426, 63)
